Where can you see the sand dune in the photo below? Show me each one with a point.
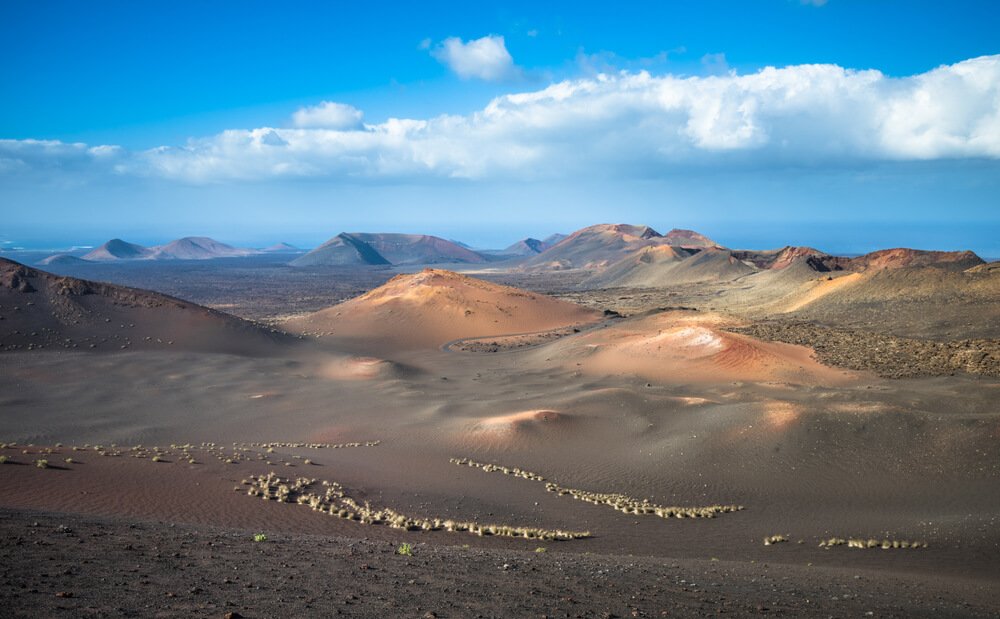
(687, 347)
(433, 307)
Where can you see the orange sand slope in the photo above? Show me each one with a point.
(433, 307)
(691, 347)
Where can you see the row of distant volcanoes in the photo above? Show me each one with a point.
(616, 254)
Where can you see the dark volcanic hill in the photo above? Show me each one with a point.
(117, 249)
(197, 248)
(341, 250)
(281, 248)
(360, 248)
(417, 248)
(525, 247)
(187, 248)
(903, 257)
(39, 310)
(62, 259)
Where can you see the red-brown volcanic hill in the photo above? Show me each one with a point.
(42, 310)
(595, 247)
(903, 257)
(433, 307)
(688, 238)
(778, 259)
(598, 247)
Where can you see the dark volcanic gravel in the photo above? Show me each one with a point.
(886, 355)
(66, 566)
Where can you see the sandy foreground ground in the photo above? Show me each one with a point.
(72, 566)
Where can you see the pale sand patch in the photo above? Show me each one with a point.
(512, 428)
(356, 368)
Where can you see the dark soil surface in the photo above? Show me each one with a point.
(67, 566)
(506, 343)
(886, 355)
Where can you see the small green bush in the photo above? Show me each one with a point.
(405, 549)
(259, 537)
(42, 464)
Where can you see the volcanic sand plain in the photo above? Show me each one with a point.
(668, 408)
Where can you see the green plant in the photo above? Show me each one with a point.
(405, 549)
(42, 464)
(540, 549)
(3, 459)
(259, 537)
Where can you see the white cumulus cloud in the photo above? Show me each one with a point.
(621, 124)
(486, 58)
(328, 115)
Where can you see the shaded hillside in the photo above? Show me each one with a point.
(929, 301)
(39, 310)
(921, 301)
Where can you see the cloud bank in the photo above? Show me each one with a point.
(623, 124)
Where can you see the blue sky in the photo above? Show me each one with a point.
(257, 122)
